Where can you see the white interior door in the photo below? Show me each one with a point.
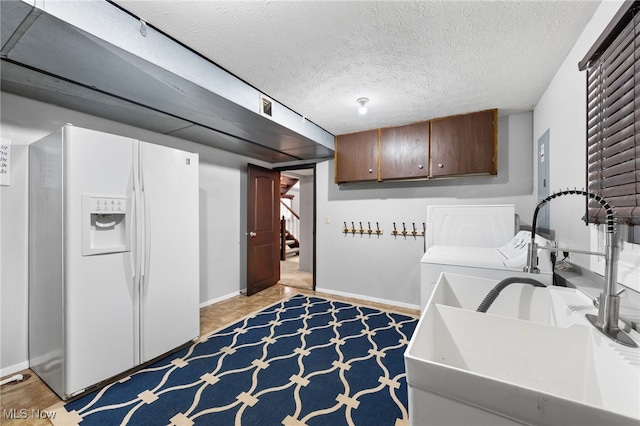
(169, 297)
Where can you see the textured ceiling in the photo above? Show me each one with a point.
(413, 60)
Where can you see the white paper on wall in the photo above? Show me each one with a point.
(5, 161)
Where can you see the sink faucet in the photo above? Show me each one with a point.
(609, 302)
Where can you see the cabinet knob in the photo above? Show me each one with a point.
(420, 166)
(370, 170)
(440, 165)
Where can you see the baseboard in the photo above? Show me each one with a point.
(368, 298)
(219, 299)
(12, 369)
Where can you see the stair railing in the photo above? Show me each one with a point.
(290, 221)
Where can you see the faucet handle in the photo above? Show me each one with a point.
(596, 301)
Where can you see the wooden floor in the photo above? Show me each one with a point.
(21, 402)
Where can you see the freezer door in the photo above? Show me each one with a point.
(98, 287)
(169, 298)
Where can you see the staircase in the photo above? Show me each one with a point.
(290, 221)
(292, 244)
(286, 183)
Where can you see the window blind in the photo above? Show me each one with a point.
(613, 123)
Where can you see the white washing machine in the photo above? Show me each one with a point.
(477, 241)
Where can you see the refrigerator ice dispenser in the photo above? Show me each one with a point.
(105, 225)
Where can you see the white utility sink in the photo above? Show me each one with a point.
(533, 358)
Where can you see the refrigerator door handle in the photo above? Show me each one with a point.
(134, 245)
(146, 259)
(138, 212)
(145, 241)
(137, 255)
(145, 230)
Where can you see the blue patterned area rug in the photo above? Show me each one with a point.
(304, 361)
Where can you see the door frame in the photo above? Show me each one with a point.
(314, 215)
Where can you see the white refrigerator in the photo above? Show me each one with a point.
(113, 255)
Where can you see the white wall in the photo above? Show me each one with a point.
(13, 260)
(386, 268)
(562, 110)
(306, 223)
(222, 213)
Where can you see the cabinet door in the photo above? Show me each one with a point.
(464, 144)
(356, 157)
(404, 151)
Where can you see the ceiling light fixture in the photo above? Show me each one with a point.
(362, 102)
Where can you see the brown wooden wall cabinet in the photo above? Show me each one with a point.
(464, 144)
(404, 151)
(356, 158)
(450, 146)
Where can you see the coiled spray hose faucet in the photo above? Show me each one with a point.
(495, 291)
(609, 301)
(532, 252)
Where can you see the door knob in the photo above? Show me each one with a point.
(252, 234)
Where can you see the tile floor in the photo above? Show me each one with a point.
(21, 402)
(291, 275)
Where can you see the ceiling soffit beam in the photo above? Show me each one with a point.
(104, 50)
